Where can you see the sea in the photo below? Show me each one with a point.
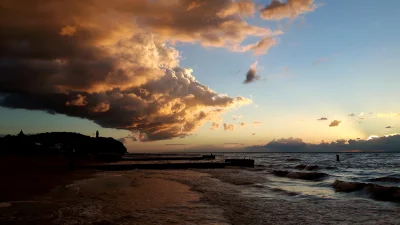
(282, 188)
(362, 168)
(361, 188)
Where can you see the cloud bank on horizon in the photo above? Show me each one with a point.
(384, 143)
(113, 62)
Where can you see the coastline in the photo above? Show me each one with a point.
(201, 196)
(128, 197)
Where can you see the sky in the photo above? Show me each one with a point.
(201, 75)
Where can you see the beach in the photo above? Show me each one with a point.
(132, 197)
(216, 196)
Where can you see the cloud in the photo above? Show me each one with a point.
(236, 117)
(175, 144)
(125, 140)
(194, 5)
(323, 118)
(228, 127)
(259, 48)
(242, 124)
(335, 123)
(257, 122)
(385, 143)
(320, 60)
(214, 126)
(352, 114)
(101, 107)
(387, 114)
(233, 144)
(251, 75)
(389, 127)
(114, 63)
(78, 101)
(253, 134)
(68, 30)
(278, 10)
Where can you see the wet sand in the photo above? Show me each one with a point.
(132, 197)
(223, 196)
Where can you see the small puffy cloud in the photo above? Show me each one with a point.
(253, 134)
(286, 69)
(242, 124)
(259, 48)
(323, 118)
(68, 31)
(214, 126)
(320, 60)
(233, 143)
(194, 5)
(352, 114)
(251, 75)
(101, 107)
(257, 122)
(278, 10)
(388, 127)
(335, 123)
(79, 101)
(236, 117)
(228, 127)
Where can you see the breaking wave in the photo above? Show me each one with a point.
(375, 191)
(300, 175)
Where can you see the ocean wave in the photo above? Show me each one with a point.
(376, 191)
(293, 159)
(236, 176)
(289, 193)
(300, 175)
(392, 179)
(307, 167)
(330, 168)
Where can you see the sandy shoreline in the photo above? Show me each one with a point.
(210, 196)
(131, 197)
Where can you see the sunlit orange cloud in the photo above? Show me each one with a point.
(114, 62)
(278, 10)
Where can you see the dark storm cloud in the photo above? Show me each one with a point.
(111, 62)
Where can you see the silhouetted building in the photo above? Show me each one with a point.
(97, 134)
(21, 134)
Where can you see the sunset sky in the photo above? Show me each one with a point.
(170, 75)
